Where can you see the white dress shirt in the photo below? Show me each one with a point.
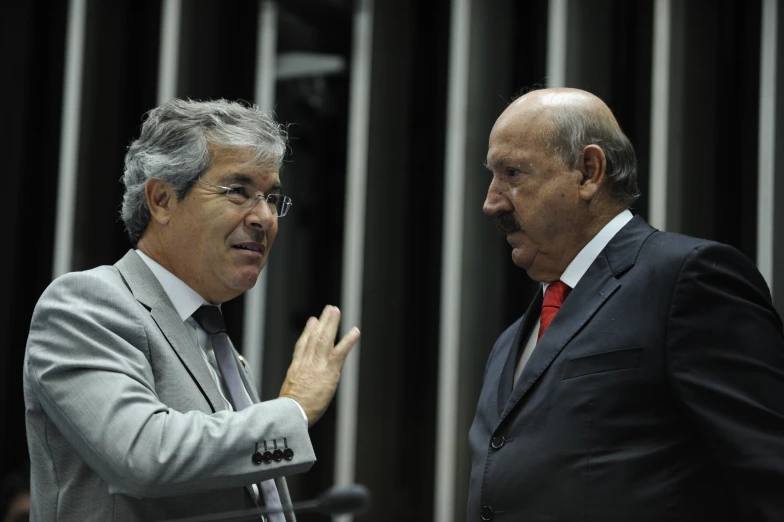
(574, 272)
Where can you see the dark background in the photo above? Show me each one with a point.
(715, 81)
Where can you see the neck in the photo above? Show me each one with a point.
(152, 246)
(603, 210)
(585, 231)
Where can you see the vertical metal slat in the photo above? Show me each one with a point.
(354, 233)
(660, 110)
(69, 139)
(451, 280)
(767, 141)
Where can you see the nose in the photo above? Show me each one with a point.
(260, 216)
(496, 201)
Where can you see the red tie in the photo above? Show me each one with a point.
(554, 297)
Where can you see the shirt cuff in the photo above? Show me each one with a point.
(298, 406)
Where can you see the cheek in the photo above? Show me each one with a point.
(525, 201)
(271, 233)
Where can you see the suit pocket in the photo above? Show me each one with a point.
(601, 362)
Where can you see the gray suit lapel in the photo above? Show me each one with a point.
(148, 291)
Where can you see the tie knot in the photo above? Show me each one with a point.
(210, 318)
(556, 294)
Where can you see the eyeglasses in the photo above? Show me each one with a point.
(245, 199)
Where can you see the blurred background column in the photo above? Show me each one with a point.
(69, 138)
(770, 218)
(354, 230)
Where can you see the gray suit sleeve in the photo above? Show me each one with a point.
(87, 362)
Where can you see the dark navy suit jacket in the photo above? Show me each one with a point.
(656, 394)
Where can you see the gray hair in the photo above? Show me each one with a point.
(574, 128)
(174, 146)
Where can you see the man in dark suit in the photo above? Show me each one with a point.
(645, 382)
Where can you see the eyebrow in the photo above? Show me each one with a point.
(517, 162)
(244, 179)
(498, 163)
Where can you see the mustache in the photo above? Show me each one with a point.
(254, 236)
(507, 222)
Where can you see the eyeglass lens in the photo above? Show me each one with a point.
(277, 203)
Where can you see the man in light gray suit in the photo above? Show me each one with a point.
(137, 405)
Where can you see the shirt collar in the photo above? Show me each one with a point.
(585, 258)
(184, 298)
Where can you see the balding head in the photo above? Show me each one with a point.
(562, 169)
(558, 97)
(571, 119)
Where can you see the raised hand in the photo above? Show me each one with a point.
(314, 373)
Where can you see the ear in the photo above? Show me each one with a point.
(593, 167)
(160, 200)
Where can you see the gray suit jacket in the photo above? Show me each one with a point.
(124, 421)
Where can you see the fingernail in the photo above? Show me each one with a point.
(312, 321)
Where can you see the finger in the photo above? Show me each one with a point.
(322, 322)
(331, 328)
(324, 339)
(348, 341)
(301, 345)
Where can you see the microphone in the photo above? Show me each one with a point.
(338, 500)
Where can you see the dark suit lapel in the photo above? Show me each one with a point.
(596, 286)
(507, 375)
(594, 289)
(148, 291)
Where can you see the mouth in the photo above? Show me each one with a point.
(250, 247)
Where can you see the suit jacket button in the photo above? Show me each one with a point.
(277, 455)
(267, 457)
(498, 442)
(288, 454)
(256, 458)
(487, 513)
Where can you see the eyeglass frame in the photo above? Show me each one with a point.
(258, 196)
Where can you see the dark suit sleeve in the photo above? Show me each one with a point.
(725, 361)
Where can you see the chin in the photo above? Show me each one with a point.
(522, 258)
(247, 283)
(243, 281)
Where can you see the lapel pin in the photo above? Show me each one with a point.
(242, 360)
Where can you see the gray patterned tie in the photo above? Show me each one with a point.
(211, 320)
